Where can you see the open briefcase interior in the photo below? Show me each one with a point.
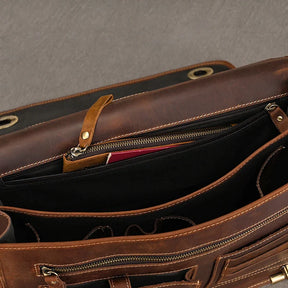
(185, 185)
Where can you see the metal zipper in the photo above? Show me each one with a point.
(77, 152)
(142, 142)
(153, 259)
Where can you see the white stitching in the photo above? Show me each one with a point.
(196, 117)
(260, 283)
(161, 127)
(267, 268)
(148, 265)
(161, 238)
(172, 203)
(145, 78)
(259, 243)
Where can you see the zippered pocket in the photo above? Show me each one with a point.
(86, 155)
(184, 278)
(79, 158)
(157, 178)
(90, 269)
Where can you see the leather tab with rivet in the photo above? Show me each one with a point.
(91, 119)
(278, 116)
(53, 281)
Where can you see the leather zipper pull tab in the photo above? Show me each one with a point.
(52, 279)
(278, 117)
(91, 119)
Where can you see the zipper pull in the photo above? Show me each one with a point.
(91, 119)
(278, 116)
(86, 134)
(89, 125)
(52, 278)
(280, 276)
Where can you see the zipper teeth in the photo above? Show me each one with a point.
(134, 259)
(164, 139)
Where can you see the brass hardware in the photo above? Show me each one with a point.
(200, 72)
(85, 135)
(277, 278)
(48, 272)
(280, 118)
(271, 106)
(281, 276)
(8, 121)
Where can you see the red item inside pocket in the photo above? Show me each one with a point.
(122, 155)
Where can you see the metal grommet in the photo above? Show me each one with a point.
(200, 72)
(8, 121)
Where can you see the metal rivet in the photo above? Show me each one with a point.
(53, 282)
(280, 118)
(85, 135)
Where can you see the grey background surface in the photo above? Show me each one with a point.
(52, 48)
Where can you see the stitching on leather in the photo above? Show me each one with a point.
(220, 62)
(266, 268)
(159, 238)
(264, 166)
(111, 281)
(258, 243)
(159, 127)
(32, 165)
(128, 284)
(119, 85)
(221, 276)
(181, 251)
(142, 274)
(149, 265)
(175, 202)
(196, 117)
(260, 283)
(2, 282)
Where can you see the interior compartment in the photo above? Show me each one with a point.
(274, 173)
(238, 191)
(144, 181)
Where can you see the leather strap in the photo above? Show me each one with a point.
(120, 282)
(91, 119)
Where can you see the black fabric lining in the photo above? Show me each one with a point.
(201, 208)
(142, 182)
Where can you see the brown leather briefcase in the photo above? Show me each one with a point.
(184, 186)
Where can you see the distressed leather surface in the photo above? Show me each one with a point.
(52, 48)
(184, 103)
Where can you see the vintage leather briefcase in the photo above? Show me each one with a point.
(184, 186)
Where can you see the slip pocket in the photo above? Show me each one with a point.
(260, 260)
